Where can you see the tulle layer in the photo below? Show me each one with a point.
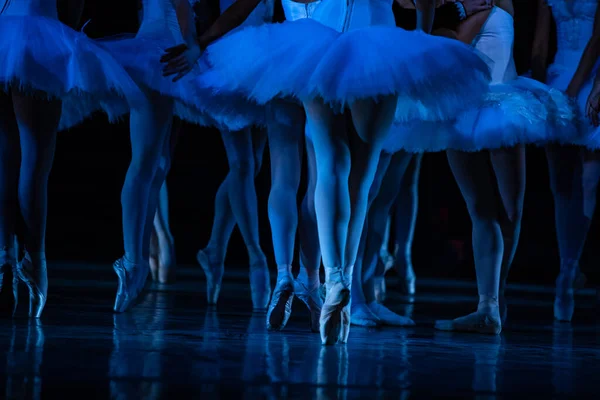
(434, 77)
(193, 103)
(522, 111)
(42, 55)
(559, 78)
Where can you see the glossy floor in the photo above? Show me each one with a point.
(172, 346)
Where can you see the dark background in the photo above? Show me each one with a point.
(85, 216)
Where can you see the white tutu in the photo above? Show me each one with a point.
(434, 77)
(140, 56)
(40, 54)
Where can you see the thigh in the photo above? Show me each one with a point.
(476, 182)
(239, 147)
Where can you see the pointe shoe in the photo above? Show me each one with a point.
(408, 279)
(380, 289)
(154, 256)
(280, 307)
(361, 315)
(564, 302)
(313, 299)
(260, 286)
(388, 317)
(132, 280)
(166, 266)
(387, 259)
(35, 277)
(477, 322)
(213, 274)
(334, 322)
(9, 284)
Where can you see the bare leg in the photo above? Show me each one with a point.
(405, 221)
(378, 215)
(286, 146)
(165, 262)
(473, 175)
(150, 127)
(212, 257)
(565, 168)
(510, 169)
(361, 314)
(332, 206)
(309, 251)
(37, 121)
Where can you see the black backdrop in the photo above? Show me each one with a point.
(85, 221)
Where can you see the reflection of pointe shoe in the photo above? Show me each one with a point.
(380, 289)
(388, 317)
(407, 279)
(477, 322)
(335, 319)
(564, 302)
(9, 284)
(214, 276)
(280, 307)
(363, 316)
(35, 276)
(260, 286)
(132, 280)
(313, 298)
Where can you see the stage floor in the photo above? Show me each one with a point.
(172, 346)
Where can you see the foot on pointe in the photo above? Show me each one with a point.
(280, 307)
(213, 273)
(313, 299)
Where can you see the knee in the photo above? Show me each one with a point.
(242, 170)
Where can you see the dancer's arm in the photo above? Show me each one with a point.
(450, 14)
(588, 59)
(471, 27)
(593, 102)
(539, 55)
(425, 14)
(179, 59)
(70, 12)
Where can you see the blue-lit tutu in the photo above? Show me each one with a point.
(40, 54)
(559, 77)
(434, 77)
(140, 56)
(522, 111)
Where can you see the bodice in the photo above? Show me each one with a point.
(159, 18)
(43, 8)
(574, 27)
(294, 10)
(344, 15)
(263, 13)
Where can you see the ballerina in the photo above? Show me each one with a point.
(164, 23)
(501, 131)
(574, 170)
(52, 78)
(346, 164)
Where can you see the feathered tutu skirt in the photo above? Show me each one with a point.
(559, 77)
(42, 55)
(521, 111)
(140, 56)
(435, 78)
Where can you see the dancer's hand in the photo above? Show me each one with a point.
(592, 106)
(180, 60)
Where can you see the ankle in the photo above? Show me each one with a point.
(488, 304)
(284, 270)
(256, 256)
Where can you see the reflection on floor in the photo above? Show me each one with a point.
(172, 345)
